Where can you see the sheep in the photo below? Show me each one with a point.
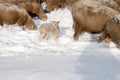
(34, 8)
(11, 14)
(112, 31)
(90, 17)
(30, 5)
(49, 28)
(109, 3)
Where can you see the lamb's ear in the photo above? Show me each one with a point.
(51, 21)
(70, 8)
(58, 22)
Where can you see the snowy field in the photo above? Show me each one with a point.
(24, 57)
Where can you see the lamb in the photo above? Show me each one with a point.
(11, 14)
(112, 31)
(49, 28)
(90, 17)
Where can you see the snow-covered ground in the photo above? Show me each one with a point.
(24, 57)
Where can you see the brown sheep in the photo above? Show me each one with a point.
(90, 17)
(34, 8)
(14, 1)
(118, 1)
(52, 4)
(109, 3)
(11, 14)
(30, 5)
(49, 28)
(112, 30)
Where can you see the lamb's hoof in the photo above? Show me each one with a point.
(118, 46)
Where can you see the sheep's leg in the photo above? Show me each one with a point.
(74, 25)
(21, 24)
(2, 27)
(77, 32)
(108, 40)
(103, 36)
(21, 28)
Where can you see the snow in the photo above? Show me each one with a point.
(24, 57)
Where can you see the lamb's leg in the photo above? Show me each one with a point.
(45, 37)
(42, 36)
(11, 28)
(118, 45)
(55, 37)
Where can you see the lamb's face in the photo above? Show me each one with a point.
(55, 25)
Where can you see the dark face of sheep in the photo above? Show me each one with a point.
(70, 2)
(36, 9)
(33, 8)
(52, 4)
(49, 8)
